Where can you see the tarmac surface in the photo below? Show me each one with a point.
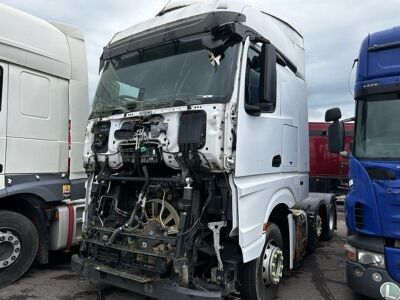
(320, 277)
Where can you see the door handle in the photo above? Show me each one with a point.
(276, 161)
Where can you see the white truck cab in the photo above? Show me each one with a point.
(197, 155)
(43, 112)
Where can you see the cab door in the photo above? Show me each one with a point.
(258, 161)
(259, 138)
(3, 120)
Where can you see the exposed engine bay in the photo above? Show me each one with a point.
(160, 208)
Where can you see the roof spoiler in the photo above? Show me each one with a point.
(171, 31)
(69, 30)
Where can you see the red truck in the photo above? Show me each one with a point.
(328, 172)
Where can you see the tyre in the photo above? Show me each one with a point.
(260, 278)
(19, 242)
(314, 231)
(328, 224)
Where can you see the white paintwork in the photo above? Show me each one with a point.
(45, 86)
(78, 104)
(260, 186)
(211, 150)
(79, 111)
(36, 117)
(29, 41)
(290, 146)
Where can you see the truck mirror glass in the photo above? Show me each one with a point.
(252, 110)
(336, 137)
(333, 114)
(268, 76)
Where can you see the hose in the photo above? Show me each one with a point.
(141, 199)
(146, 180)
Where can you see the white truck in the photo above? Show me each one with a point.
(43, 115)
(197, 156)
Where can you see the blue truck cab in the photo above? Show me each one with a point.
(372, 206)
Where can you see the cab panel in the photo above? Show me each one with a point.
(35, 120)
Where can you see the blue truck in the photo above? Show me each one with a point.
(373, 202)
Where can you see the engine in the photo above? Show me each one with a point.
(159, 198)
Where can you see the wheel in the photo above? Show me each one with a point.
(314, 231)
(19, 242)
(260, 278)
(328, 224)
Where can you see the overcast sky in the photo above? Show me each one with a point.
(333, 31)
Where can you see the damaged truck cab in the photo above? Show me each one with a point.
(197, 156)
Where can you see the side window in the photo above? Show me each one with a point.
(1, 87)
(253, 90)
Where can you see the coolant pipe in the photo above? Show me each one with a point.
(132, 217)
(128, 224)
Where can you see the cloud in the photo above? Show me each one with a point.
(333, 31)
(99, 20)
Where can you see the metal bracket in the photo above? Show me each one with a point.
(216, 228)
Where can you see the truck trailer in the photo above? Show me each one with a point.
(196, 152)
(43, 115)
(329, 172)
(372, 205)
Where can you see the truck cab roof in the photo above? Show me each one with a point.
(290, 43)
(379, 60)
(32, 42)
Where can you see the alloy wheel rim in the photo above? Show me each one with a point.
(272, 265)
(10, 247)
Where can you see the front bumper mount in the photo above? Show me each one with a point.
(153, 289)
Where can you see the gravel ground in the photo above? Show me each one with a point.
(320, 277)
